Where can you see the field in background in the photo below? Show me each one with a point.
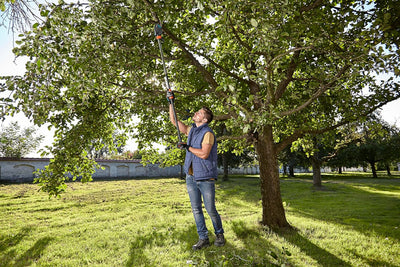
(353, 220)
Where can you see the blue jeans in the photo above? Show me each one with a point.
(197, 189)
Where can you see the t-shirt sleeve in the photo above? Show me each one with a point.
(208, 139)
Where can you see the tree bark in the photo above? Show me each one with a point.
(316, 166)
(273, 213)
(340, 170)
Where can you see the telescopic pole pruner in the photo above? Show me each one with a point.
(171, 98)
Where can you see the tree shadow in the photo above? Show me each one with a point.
(373, 262)
(137, 251)
(8, 241)
(365, 211)
(9, 254)
(257, 252)
(322, 256)
(33, 253)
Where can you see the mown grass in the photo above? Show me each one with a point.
(352, 221)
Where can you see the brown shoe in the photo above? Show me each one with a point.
(220, 240)
(203, 243)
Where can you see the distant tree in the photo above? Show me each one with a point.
(231, 160)
(290, 158)
(101, 149)
(378, 143)
(16, 142)
(318, 149)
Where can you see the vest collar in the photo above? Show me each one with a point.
(201, 126)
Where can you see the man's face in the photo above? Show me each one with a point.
(199, 116)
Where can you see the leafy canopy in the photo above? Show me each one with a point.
(295, 67)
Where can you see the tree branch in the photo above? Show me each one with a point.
(317, 94)
(300, 133)
(289, 76)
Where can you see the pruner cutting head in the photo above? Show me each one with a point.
(158, 31)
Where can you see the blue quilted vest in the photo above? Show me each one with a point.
(202, 168)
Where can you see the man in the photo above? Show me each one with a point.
(201, 173)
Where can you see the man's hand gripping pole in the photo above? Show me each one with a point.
(170, 95)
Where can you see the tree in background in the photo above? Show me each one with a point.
(271, 71)
(100, 150)
(16, 142)
(230, 156)
(378, 142)
(326, 149)
(292, 157)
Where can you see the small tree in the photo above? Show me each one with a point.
(16, 142)
(378, 142)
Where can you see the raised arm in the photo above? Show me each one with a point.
(183, 128)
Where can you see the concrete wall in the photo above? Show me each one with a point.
(21, 170)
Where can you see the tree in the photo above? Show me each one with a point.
(378, 142)
(99, 150)
(271, 71)
(16, 142)
(292, 156)
(318, 149)
(230, 156)
(326, 148)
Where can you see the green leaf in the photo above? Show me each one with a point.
(254, 23)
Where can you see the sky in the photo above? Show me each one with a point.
(9, 65)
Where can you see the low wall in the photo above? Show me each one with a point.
(22, 170)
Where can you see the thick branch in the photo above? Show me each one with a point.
(300, 133)
(317, 94)
(229, 137)
(289, 76)
(311, 6)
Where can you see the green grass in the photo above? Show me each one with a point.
(353, 221)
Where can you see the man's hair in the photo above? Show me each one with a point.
(208, 114)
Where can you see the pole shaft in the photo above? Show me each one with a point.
(169, 88)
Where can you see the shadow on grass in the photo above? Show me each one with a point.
(9, 254)
(323, 257)
(164, 238)
(373, 262)
(353, 204)
(6, 242)
(257, 251)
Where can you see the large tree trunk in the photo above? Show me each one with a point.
(340, 170)
(273, 213)
(316, 166)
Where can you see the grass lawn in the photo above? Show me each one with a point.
(353, 220)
